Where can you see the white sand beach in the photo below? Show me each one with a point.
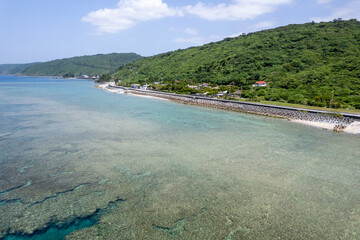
(147, 96)
(105, 87)
(323, 125)
(121, 91)
(353, 128)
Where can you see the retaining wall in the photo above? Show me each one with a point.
(341, 120)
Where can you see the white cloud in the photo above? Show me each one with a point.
(187, 31)
(191, 31)
(323, 1)
(237, 10)
(236, 34)
(350, 10)
(128, 13)
(197, 40)
(264, 24)
(200, 40)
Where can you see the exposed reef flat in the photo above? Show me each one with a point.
(91, 165)
(57, 209)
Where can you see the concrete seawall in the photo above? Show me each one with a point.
(340, 120)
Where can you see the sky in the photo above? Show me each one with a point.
(44, 30)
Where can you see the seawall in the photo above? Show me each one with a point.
(339, 120)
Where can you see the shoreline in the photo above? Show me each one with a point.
(105, 86)
(146, 96)
(352, 128)
(323, 125)
(327, 121)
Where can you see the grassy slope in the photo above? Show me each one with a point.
(303, 64)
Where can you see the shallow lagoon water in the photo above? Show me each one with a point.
(155, 169)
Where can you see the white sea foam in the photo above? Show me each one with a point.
(323, 125)
(353, 128)
(4, 134)
(105, 86)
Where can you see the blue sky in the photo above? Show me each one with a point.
(43, 30)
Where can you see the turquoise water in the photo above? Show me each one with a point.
(56, 233)
(158, 170)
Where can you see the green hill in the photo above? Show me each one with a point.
(90, 65)
(12, 69)
(312, 64)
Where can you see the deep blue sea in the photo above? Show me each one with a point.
(78, 162)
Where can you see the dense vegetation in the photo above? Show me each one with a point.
(316, 64)
(12, 69)
(91, 65)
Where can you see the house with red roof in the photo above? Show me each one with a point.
(260, 84)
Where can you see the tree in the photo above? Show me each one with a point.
(68, 75)
(302, 63)
(104, 78)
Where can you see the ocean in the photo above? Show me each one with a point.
(77, 162)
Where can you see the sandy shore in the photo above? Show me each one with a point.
(121, 91)
(323, 125)
(147, 96)
(105, 87)
(353, 128)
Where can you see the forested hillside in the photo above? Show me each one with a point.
(90, 65)
(11, 69)
(315, 64)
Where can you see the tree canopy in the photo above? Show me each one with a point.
(12, 69)
(90, 65)
(315, 64)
